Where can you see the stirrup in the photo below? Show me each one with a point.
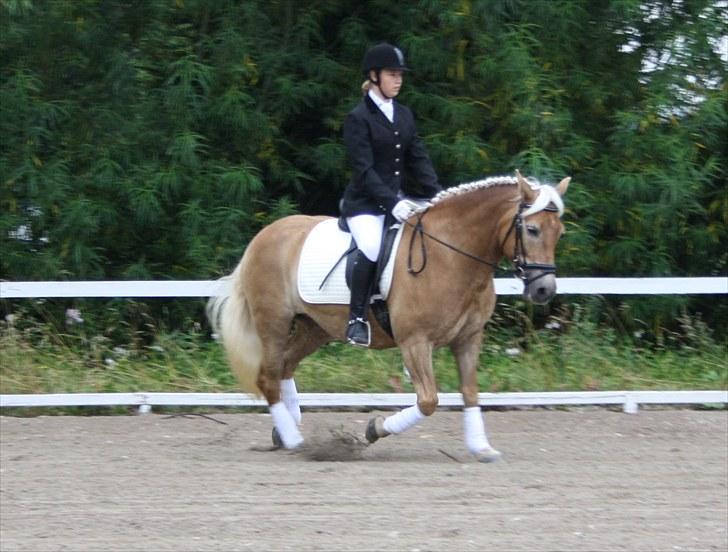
(354, 336)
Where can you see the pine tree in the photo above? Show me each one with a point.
(153, 139)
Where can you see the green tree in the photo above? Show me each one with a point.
(154, 138)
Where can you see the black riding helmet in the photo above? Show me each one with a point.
(383, 56)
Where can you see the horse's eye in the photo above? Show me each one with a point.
(533, 230)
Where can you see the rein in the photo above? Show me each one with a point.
(520, 265)
(419, 230)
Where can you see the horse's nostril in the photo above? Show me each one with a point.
(542, 295)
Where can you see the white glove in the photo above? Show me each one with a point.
(404, 210)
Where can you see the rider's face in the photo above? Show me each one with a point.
(390, 82)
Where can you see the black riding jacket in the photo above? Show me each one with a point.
(385, 159)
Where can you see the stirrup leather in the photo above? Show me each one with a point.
(354, 337)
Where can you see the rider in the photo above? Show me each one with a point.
(387, 159)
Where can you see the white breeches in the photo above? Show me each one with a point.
(367, 233)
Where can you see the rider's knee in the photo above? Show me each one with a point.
(370, 247)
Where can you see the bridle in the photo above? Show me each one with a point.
(519, 261)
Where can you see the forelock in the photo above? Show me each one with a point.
(546, 196)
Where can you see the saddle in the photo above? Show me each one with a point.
(390, 233)
(378, 304)
(325, 266)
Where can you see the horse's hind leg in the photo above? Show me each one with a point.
(274, 335)
(285, 426)
(305, 338)
(418, 358)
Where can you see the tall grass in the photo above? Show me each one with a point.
(570, 351)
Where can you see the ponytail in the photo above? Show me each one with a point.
(365, 86)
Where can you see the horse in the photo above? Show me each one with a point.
(442, 294)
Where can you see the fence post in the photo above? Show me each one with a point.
(631, 406)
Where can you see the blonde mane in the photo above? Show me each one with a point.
(468, 187)
(547, 193)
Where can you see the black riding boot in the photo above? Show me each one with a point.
(358, 331)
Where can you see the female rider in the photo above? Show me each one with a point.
(388, 161)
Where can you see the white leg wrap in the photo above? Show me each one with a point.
(287, 429)
(403, 420)
(289, 396)
(474, 426)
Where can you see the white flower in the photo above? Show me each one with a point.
(73, 316)
(553, 325)
(10, 319)
(21, 233)
(109, 362)
(120, 351)
(513, 351)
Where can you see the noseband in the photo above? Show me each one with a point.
(519, 262)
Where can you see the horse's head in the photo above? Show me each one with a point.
(531, 240)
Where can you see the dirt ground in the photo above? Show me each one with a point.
(586, 480)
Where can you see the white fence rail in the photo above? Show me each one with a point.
(630, 400)
(503, 286)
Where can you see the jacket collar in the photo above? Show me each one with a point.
(377, 113)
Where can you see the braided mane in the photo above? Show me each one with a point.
(468, 187)
(547, 193)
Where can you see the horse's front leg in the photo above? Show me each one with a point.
(418, 358)
(466, 353)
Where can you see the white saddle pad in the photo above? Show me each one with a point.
(322, 249)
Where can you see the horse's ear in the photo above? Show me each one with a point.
(527, 193)
(563, 185)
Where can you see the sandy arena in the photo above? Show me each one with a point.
(585, 480)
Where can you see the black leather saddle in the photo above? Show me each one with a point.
(378, 305)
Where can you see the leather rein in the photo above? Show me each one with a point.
(519, 262)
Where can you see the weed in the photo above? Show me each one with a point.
(570, 350)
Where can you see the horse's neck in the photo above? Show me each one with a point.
(473, 221)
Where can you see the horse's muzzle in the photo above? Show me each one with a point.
(540, 287)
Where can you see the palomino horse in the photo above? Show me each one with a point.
(267, 329)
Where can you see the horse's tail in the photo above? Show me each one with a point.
(229, 314)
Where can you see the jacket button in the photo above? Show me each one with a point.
(396, 160)
(398, 146)
(396, 173)
(396, 133)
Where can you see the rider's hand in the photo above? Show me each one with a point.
(403, 210)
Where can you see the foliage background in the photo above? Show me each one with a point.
(151, 139)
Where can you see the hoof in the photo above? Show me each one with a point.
(487, 455)
(278, 442)
(375, 429)
(276, 437)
